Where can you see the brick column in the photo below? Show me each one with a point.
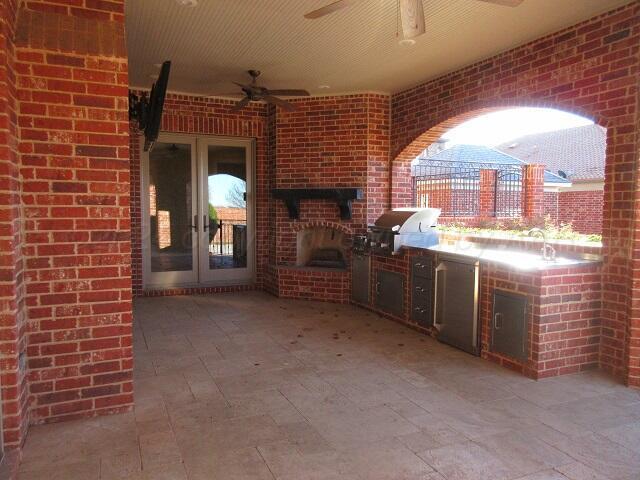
(487, 201)
(74, 142)
(13, 324)
(533, 191)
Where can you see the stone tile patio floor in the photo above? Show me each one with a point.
(247, 386)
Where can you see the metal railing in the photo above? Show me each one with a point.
(456, 187)
(222, 241)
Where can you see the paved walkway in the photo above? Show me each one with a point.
(246, 386)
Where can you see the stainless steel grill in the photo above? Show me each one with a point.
(412, 227)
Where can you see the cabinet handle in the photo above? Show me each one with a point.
(418, 264)
(442, 267)
(497, 320)
(420, 289)
(377, 288)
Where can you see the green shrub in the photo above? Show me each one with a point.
(519, 227)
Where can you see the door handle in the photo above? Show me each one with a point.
(497, 320)
(195, 223)
(205, 224)
(442, 267)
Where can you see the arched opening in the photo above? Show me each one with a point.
(479, 169)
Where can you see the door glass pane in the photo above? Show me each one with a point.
(170, 207)
(227, 186)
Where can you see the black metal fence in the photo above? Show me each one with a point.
(456, 188)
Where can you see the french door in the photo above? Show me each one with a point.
(198, 218)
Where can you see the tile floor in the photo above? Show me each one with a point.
(246, 386)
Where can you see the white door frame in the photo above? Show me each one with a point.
(162, 279)
(200, 275)
(226, 276)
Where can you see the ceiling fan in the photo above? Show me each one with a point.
(411, 13)
(253, 91)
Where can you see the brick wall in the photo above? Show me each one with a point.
(12, 293)
(583, 210)
(590, 69)
(72, 91)
(551, 206)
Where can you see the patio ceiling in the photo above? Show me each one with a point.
(355, 49)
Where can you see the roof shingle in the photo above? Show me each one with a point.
(580, 152)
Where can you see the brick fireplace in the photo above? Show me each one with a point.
(328, 142)
(321, 247)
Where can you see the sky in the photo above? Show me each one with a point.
(219, 185)
(502, 126)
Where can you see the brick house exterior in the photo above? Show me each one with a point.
(71, 223)
(580, 153)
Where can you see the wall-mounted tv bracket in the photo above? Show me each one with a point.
(139, 109)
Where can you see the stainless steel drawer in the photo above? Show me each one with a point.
(422, 300)
(422, 267)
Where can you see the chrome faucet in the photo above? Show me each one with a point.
(548, 252)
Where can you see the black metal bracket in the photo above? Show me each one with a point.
(342, 196)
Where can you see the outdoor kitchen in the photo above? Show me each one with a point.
(327, 239)
(506, 300)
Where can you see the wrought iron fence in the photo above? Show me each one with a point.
(459, 188)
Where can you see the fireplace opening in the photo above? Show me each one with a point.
(321, 247)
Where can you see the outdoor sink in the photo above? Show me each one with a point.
(517, 259)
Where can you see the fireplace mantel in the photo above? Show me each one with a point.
(342, 196)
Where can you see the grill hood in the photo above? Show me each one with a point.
(408, 220)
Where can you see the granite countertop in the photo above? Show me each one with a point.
(517, 259)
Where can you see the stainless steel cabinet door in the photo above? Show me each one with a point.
(509, 328)
(390, 292)
(360, 278)
(456, 315)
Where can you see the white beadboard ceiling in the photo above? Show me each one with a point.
(352, 50)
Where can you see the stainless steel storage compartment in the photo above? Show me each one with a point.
(361, 278)
(509, 326)
(456, 302)
(390, 292)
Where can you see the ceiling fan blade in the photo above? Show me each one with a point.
(412, 18)
(278, 101)
(288, 93)
(505, 3)
(332, 7)
(240, 105)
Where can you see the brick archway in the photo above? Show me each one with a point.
(577, 71)
(404, 154)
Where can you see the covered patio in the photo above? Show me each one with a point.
(245, 386)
